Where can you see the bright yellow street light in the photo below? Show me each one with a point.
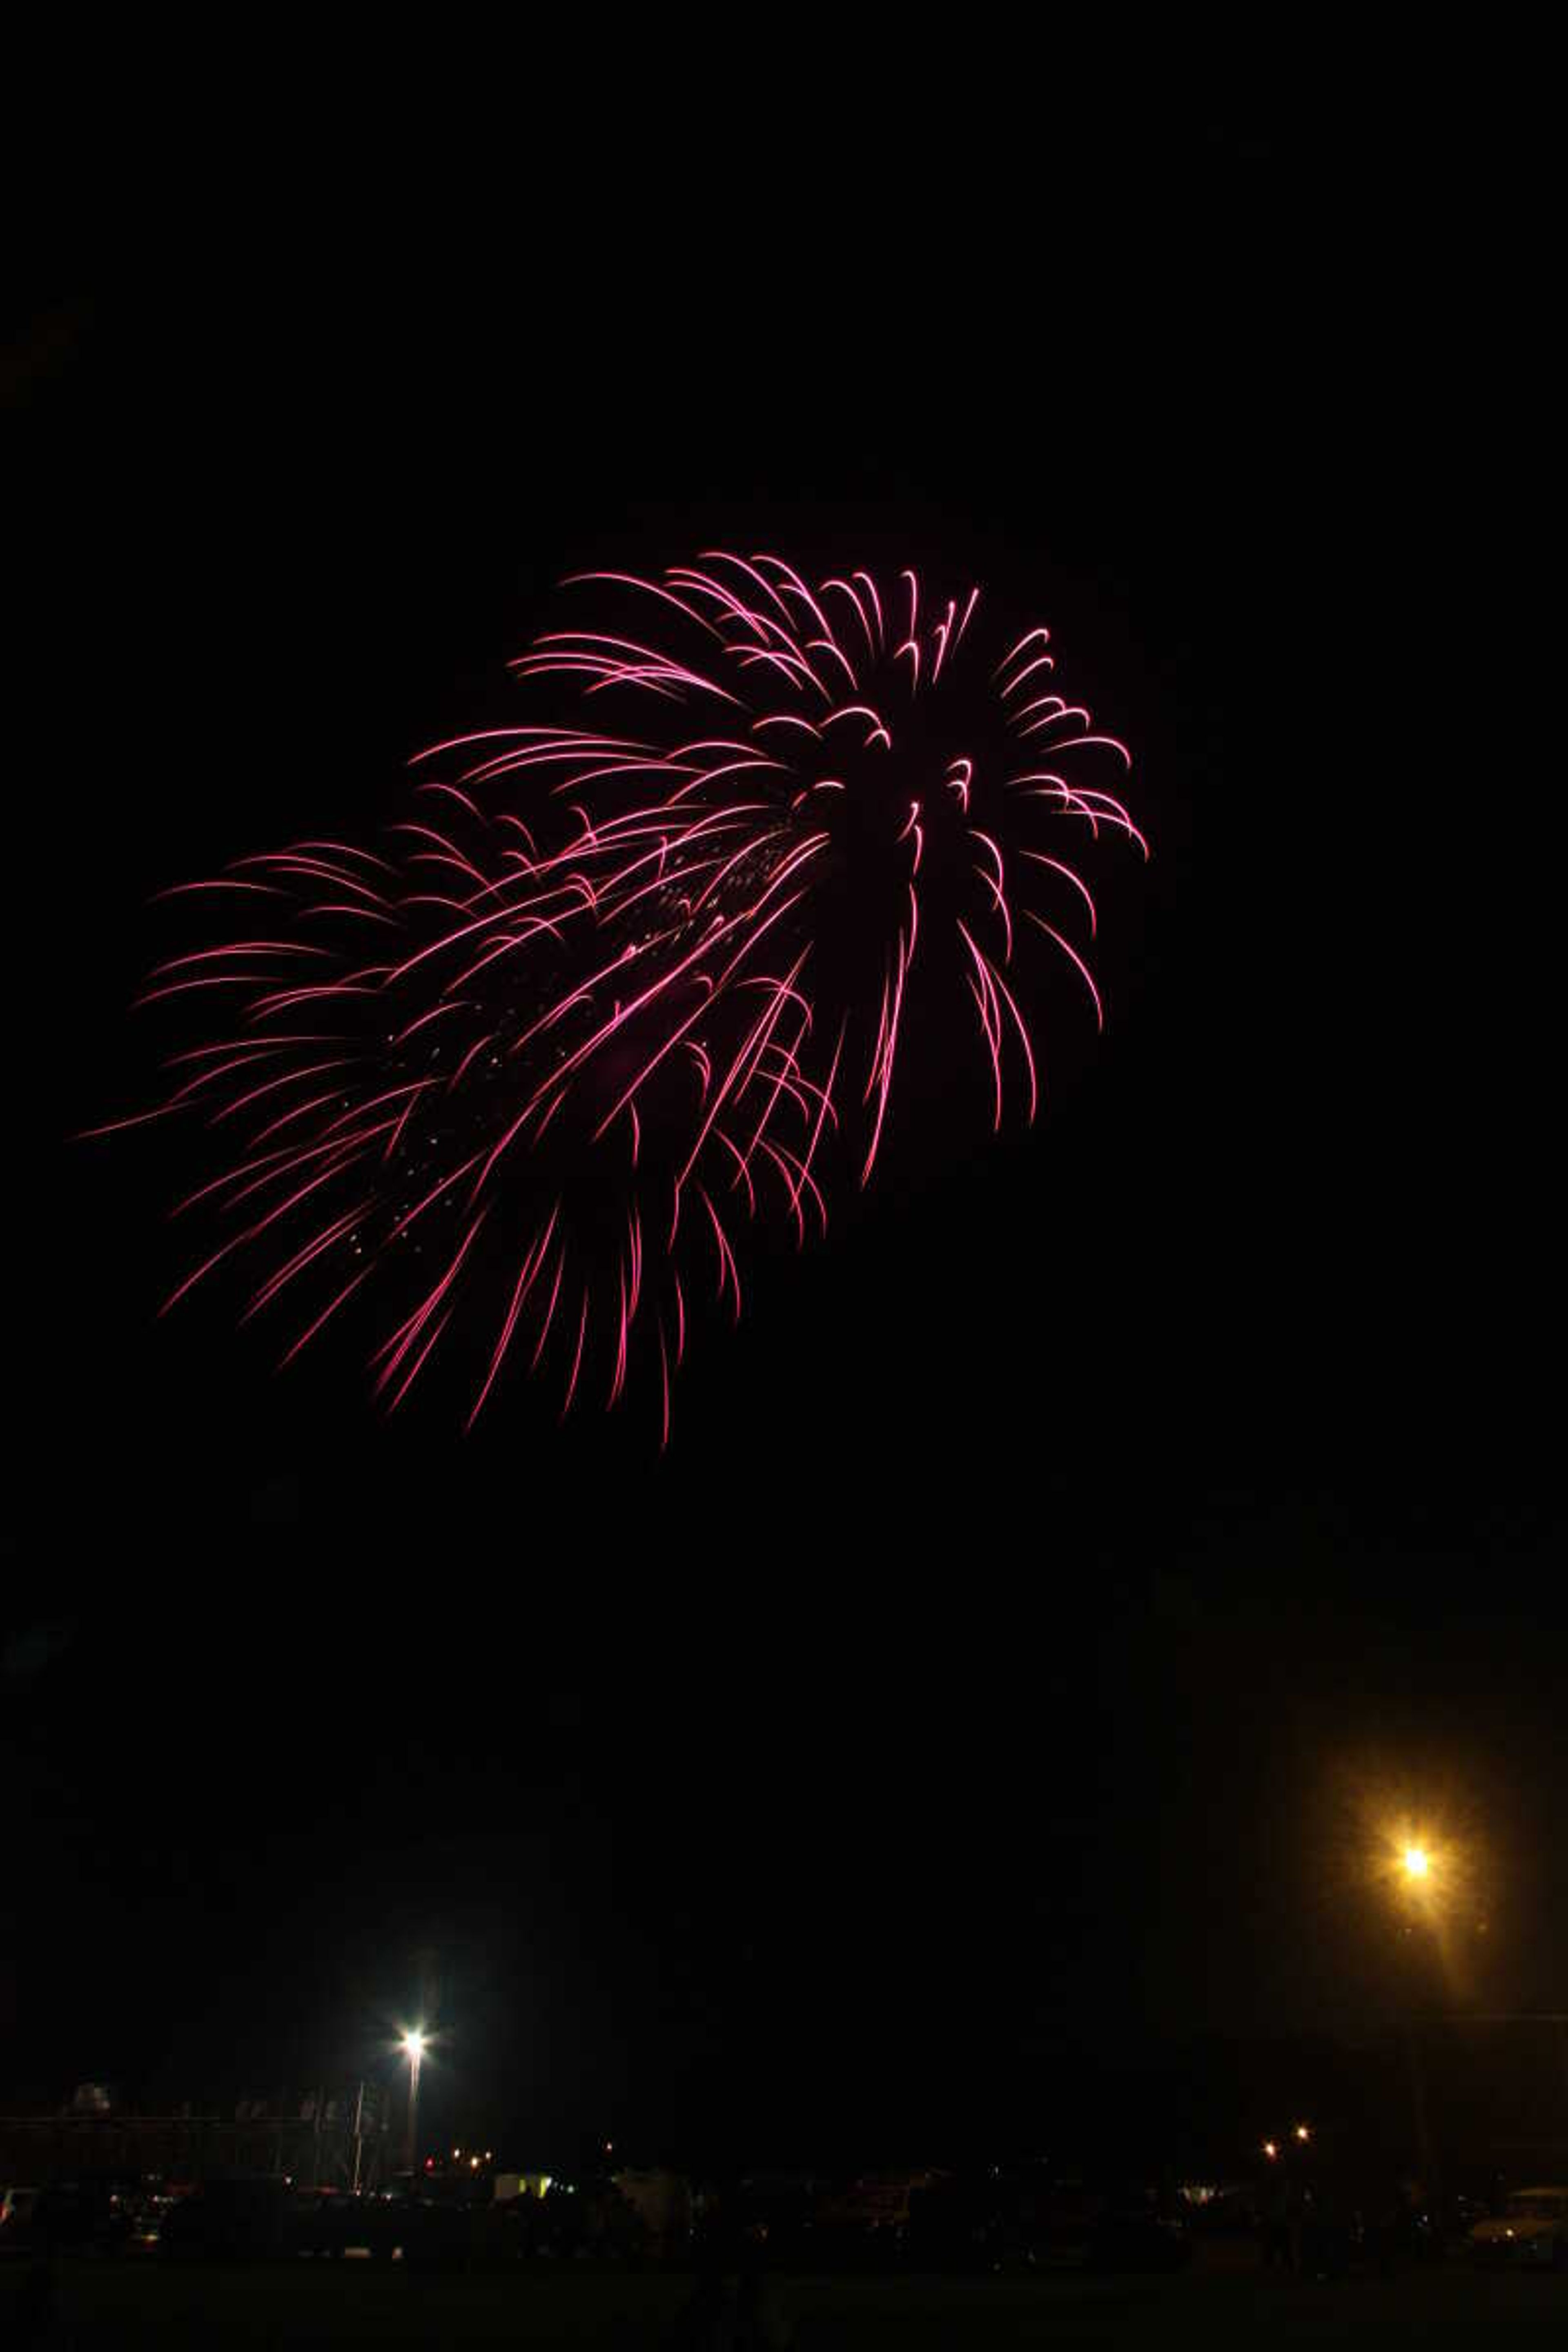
(1416, 1861)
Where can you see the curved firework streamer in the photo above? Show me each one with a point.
(614, 988)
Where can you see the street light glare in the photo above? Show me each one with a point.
(1417, 1861)
(415, 2044)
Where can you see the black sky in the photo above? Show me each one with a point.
(1146, 1480)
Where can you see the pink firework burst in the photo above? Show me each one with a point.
(614, 988)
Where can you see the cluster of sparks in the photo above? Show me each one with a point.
(610, 990)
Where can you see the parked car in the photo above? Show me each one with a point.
(332, 2222)
(1532, 2231)
(320, 2222)
(147, 2209)
(16, 2218)
(245, 2218)
(1137, 2234)
(88, 2216)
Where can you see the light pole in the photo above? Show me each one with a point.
(414, 2050)
(1422, 1888)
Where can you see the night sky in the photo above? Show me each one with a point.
(1049, 1565)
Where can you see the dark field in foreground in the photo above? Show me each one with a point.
(308, 2305)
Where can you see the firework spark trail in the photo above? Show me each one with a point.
(695, 958)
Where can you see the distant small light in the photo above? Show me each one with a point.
(1270, 2150)
(473, 2163)
(1303, 2131)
